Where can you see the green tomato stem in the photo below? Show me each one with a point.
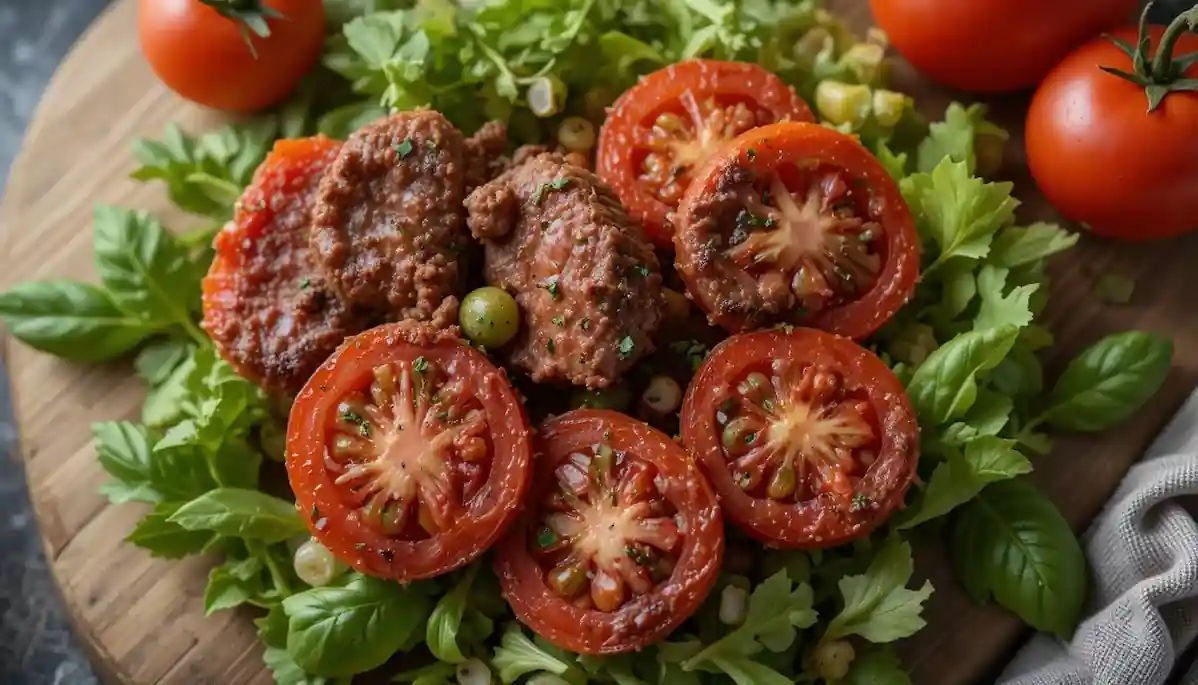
(1162, 64)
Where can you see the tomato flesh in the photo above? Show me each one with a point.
(408, 452)
(809, 438)
(413, 453)
(662, 130)
(796, 223)
(606, 525)
(679, 141)
(622, 539)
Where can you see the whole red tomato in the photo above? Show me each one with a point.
(1102, 158)
(993, 45)
(204, 56)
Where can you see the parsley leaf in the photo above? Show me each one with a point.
(999, 309)
(517, 656)
(777, 608)
(626, 346)
(962, 476)
(958, 212)
(877, 604)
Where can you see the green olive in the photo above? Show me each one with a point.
(616, 398)
(489, 317)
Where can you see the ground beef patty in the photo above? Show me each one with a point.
(388, 228)
(586, 279)
(266, 305)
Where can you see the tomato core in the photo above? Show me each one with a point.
(411, 451)
(794, 431)
(806, 233)
(606, 532)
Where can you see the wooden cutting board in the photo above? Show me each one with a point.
(142, 619)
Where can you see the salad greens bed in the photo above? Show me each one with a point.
(965, 347)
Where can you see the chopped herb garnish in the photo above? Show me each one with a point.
(305, 283)
(767, 405)
(643, 270)
(607, 434)
(769, 222)
(637, 555)
(558, 321)
(860, 502)
(420, 365)
(359, 546)
(404, 149)
(751, 154)
(546, 537)
(586, 323)
(430, 145)
(350, 416)
(551, 286)
(694, 351)
(550, 347)
(539, 196)
(627, 345)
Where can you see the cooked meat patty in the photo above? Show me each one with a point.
(388, 228)
(266, 304)
(485, 155)
(586, 279)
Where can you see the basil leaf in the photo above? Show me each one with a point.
(232, 584)
(1109, 381)
(341, 631)
(985, 460)
(146, 271)
(161, 537)
(446, 619)
(241, 513)
(123, 450)
(75, 321)
(1011, 543)
(945, 386)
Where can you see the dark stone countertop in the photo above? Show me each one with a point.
(36, 644)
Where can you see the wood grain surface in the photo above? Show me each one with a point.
(142, 619)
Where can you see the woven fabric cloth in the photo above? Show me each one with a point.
(1143, 553)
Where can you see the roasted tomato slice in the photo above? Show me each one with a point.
(796, 223)
(808, 437)
(408, 452)
(662, 129)
(622, 539)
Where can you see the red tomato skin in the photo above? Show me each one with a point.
(650, 617)
(203, 56)
(806, 525)
(992, 46)
(1102, 159)
(617, 144)
(340, 528)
